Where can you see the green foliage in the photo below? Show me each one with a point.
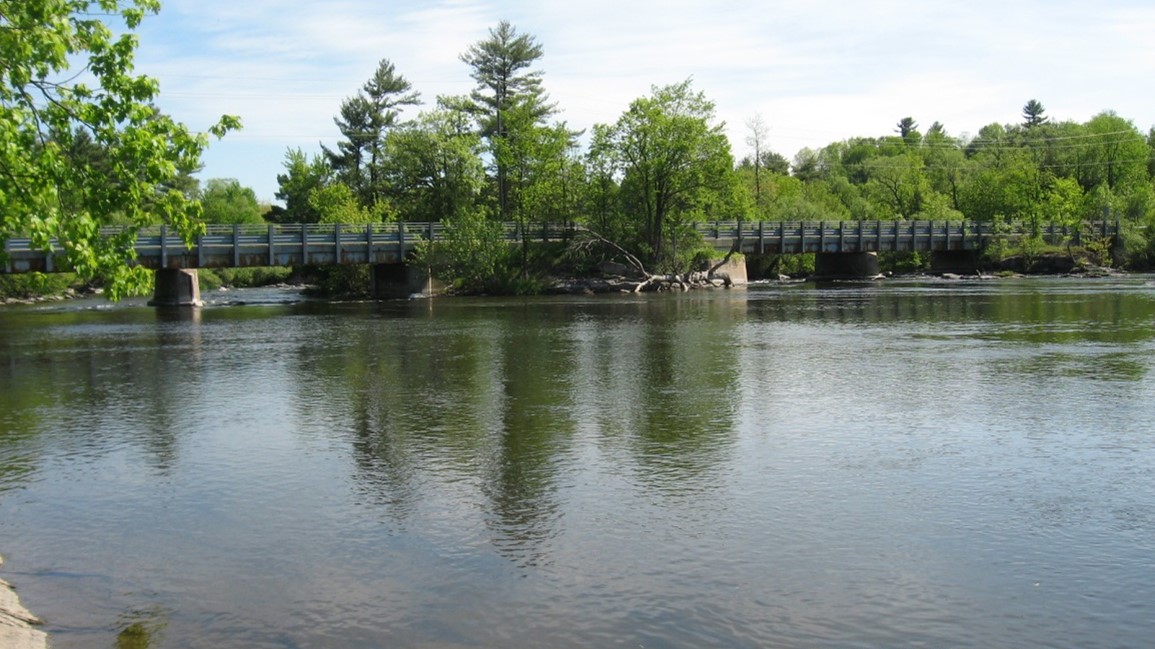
(344, 282)
(365, 120)
(225, 201)
(1033, 114)
(28, 285)
(675, 164)
(474, 251)
(795, 265)
(66, 82)
(907, 129)
(998, 246)
(213, 278)
(903, 263)
(336, 203)
(508, 96)
(434, 166)
(302, 176)
(1031, 248)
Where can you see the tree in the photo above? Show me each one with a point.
(946, 164)
(349, 161)
(434, 166)
(674, 159)
(226, 201)
(336, 203)
(897, 184)
(64, 72)
(907, 129)
(1151, 152)
(501, 67)
(302, 176)
(806, 166)
(1116, 153)
(1033, 114)
(757, 140)
(365, 120)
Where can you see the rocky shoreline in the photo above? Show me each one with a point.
(17, 625)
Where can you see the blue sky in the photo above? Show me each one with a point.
(816, 71)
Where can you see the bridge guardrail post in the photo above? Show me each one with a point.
(337, 243)
(272, 245)
(368, 243)
(236, 244)
(164, 246)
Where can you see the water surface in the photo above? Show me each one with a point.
(895, 464)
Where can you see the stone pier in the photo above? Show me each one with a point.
(845, 265)
(176, 287)
(735, 270)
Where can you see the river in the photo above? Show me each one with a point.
(897, 464)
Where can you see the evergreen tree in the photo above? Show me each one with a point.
(505, 81)
(1033, 114)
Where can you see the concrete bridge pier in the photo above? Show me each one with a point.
(958, 262)
(401, 280)
(845, 265)
(176, 287)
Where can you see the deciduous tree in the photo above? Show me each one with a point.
(674, 159)
(66, 74)
(226, 201)
(434, 166)
(302, 176)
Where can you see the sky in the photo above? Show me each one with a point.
(814, 71)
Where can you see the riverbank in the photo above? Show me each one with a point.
(18, 625)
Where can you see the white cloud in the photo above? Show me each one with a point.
(818, 72)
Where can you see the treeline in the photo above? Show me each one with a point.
(501, 154)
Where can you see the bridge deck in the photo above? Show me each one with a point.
(321, 244)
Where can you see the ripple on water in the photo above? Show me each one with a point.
(906, 466)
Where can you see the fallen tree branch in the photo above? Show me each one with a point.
(630, 258)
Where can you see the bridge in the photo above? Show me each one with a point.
(844, 248)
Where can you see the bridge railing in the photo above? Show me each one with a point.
(325, 244)
(792, 237)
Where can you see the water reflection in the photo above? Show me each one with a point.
(877, 465)
(89, 375)
(488, 403)
(536, 429)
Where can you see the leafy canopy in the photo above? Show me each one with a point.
(67, 84)
(226, 201)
